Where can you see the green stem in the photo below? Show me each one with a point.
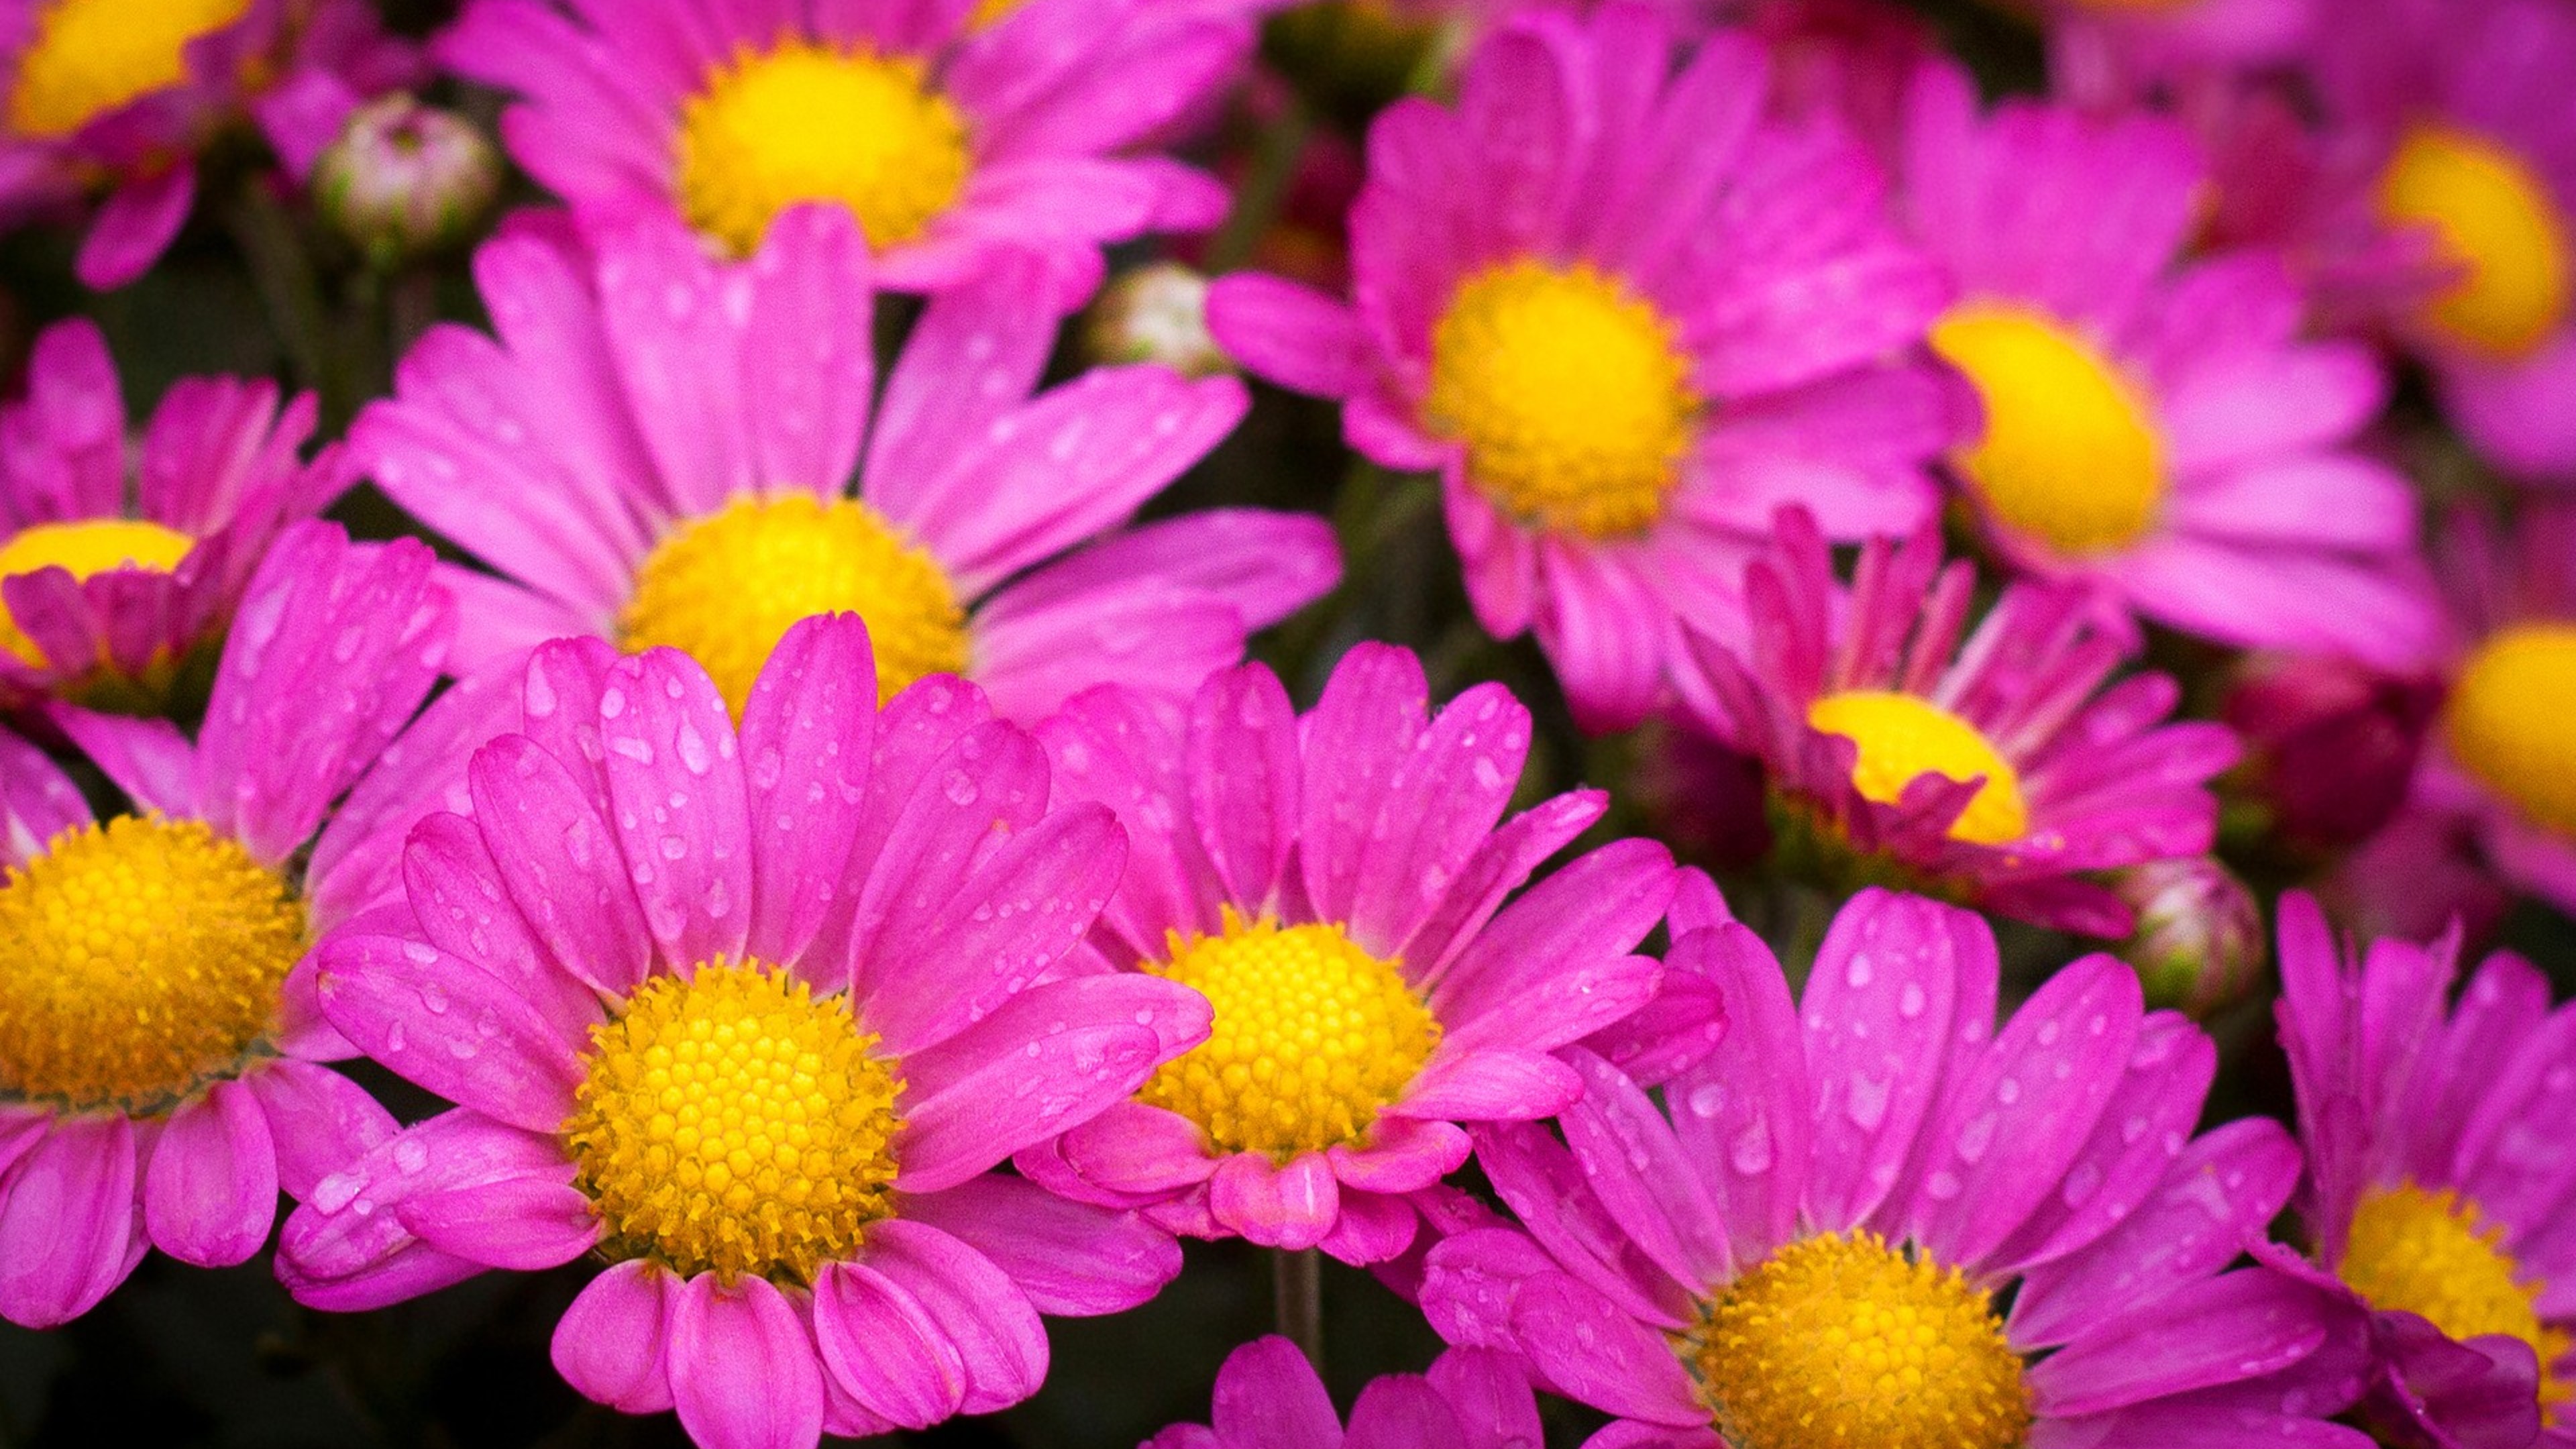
(288, 287)
(1264, 190)
(1297, 1286)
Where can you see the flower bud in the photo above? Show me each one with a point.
(1156, 313)
(2331, 744)
(407, 180)
(2199, 946)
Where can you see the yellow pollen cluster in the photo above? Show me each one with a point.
(805, 122)
(1842, 1342)
(1571, 392)
(732, 1122)
(727, 587)
(139, 959)
(2507, 722)
(1902, 736)
(89, 57)
(2496, 221)
(2070, 456)
(1313, 1037)
(90, 546)
(2412, 1251)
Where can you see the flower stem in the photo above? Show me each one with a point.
(1297, 1284)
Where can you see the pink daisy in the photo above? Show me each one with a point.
(124, 558)
(2496, 782)
(1331, 883)
(2157, 429)
(159, 1044)
(2439, 1173)
(1871, 1218)
(2467, 146)
(957, 132)
(1268, 1397)
(751, 1016)
(122, 95)
(1625, 316)
(659, 449)
(1999, 766)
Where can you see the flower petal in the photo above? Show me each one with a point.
(210, 1190)
(742, 1367)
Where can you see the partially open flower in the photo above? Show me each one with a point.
(406, 180)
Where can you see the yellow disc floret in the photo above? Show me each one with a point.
(727, 587)
(139, 960)
(2070, 456)
(1902, 736)
(2427, 1253)
(89, 57)
(2495, 220)
(805, 122)
(1313, 1037)
(2508, 724)
(89, 546)
(1571, 392)
(733, 1122)
(1842, 1342)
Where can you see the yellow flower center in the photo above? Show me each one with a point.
(2412, 1251)
(89, 57)
(139, 960)
(1571, 392)
(2070, 455)
(90, 546)
(1902, 736)
(727, 587)
(1313, 1037)
(2496, 221)
(2507, 722)
(1842, 1342)
(989, 13)
(806, 122)
(733, 1122)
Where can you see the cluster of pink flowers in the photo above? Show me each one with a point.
(836, 724)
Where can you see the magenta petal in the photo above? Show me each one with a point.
(808, 732)
(1131, 1147)
(1244, 778)
(1268, 1397)
(987, 1321)
(610, 1342)
(1494, 1085)
(1292, 335)
(1290, 1205)
(447, 1025)
(1490, 1394)
(67, 1219)
(1399, 1411)
(808, 374)
(148, 759)
(37, 800)
(1068, 1258)
(135, 227)
(678, 804)
(560, 862)
(2239, 1326)
(210, 1190)
(1592, 1352)
(527, 1223)
(1743, 1112)
(1400, 1155)
(743, 1373)
(884, 1349)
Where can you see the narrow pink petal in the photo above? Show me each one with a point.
(1290, 1205)
(446, 1025)
(319, 1120)
(560, 863)
(1070, 1259)
(37, 800)
(991, 1325)
(883, 1347)
(2239, 1326)
(1289, 334)
(1595, 1354)
(1244, 774)
(1135, 1148)
(678, 804)
(1497, 1084)
(743, 1372)
(67, 1221)
(808, 734)
(148, 759)
(1399, 1411)
(135, 227)
(1268, 1397)
(808, 373)
(210, 1190)
(610, 1343)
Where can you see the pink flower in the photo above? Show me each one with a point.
(1807, 1241)
(2439, 1171)
(122, 96)
(659, 448)
(957, 133)
(125, 557)
(1268, 1397)
(1625, 316)
(752, 1016)
(2157, 429)
(2456, 119)
(1331, 883)
(2002, 768)
(2494, 789)
(159, 1043)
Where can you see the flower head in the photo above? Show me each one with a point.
(1624, 315)
(751, 1014)
(2158, 430)
(1813, 1241)
(121, 96)
(2438, 1175)
(953, 143)
(659, 449)
(159, 1044)
(123, 558)
(1268, 1397)
(1331, 885)
(2000, 768)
